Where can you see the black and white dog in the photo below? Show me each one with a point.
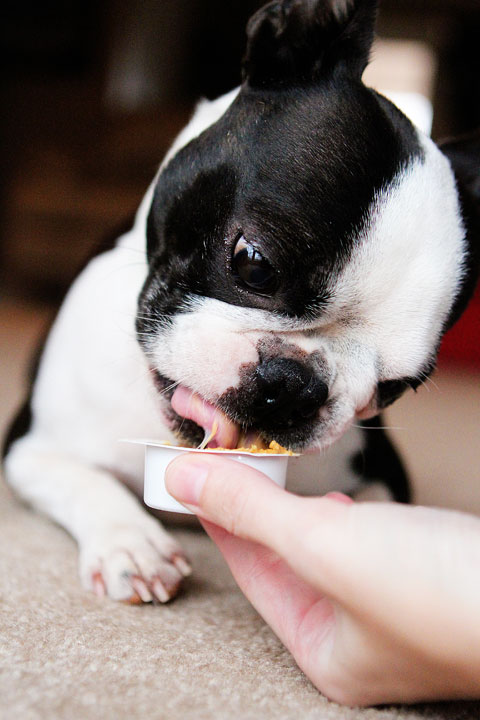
(294, 264)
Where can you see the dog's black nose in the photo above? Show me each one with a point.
(289, 393)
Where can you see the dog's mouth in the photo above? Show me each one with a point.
(198, 422)
(193, 419)
(212, 422)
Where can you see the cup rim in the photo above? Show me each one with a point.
(147, 442)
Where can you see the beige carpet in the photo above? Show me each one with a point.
(65, 654)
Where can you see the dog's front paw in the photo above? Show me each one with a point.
(133, 563)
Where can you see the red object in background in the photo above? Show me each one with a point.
(461, 345)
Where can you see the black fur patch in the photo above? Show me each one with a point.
(19, 427)
(379, 461)
(22, 421)
(464, 156)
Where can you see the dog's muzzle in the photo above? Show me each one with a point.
(278, 399)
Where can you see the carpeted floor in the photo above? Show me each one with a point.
(65, 654)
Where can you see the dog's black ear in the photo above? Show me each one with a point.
(301, 41)
(464, 156)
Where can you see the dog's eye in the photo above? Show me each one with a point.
(252, 268)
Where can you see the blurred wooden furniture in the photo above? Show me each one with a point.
(76, 164)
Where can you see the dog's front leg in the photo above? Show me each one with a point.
(124, 552)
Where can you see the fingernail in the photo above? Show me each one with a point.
(184, 479)
(339, 497)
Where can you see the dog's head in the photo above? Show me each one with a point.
(308, 250)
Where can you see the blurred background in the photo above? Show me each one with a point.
(93, 94)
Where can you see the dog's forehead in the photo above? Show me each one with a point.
(310, 166)
(305, 162)
(295, 172)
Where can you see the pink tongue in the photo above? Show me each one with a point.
(193, 407)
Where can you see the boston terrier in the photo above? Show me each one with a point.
(290, 272)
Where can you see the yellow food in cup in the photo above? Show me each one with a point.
(273, 449)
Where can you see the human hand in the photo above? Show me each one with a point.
(376, 602)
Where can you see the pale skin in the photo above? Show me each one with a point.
(377, 602)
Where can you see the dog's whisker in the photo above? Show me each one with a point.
(423, 382)
(149, 316)
(146, 374)
(169, 387)
(377, 427)
(137, 379)
(133, 249)
(432, 382)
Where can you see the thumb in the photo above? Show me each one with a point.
(249, 505)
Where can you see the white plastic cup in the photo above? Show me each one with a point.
(158, 456)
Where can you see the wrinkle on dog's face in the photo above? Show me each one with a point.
(358, 216)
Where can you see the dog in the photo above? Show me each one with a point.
(290, 272)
